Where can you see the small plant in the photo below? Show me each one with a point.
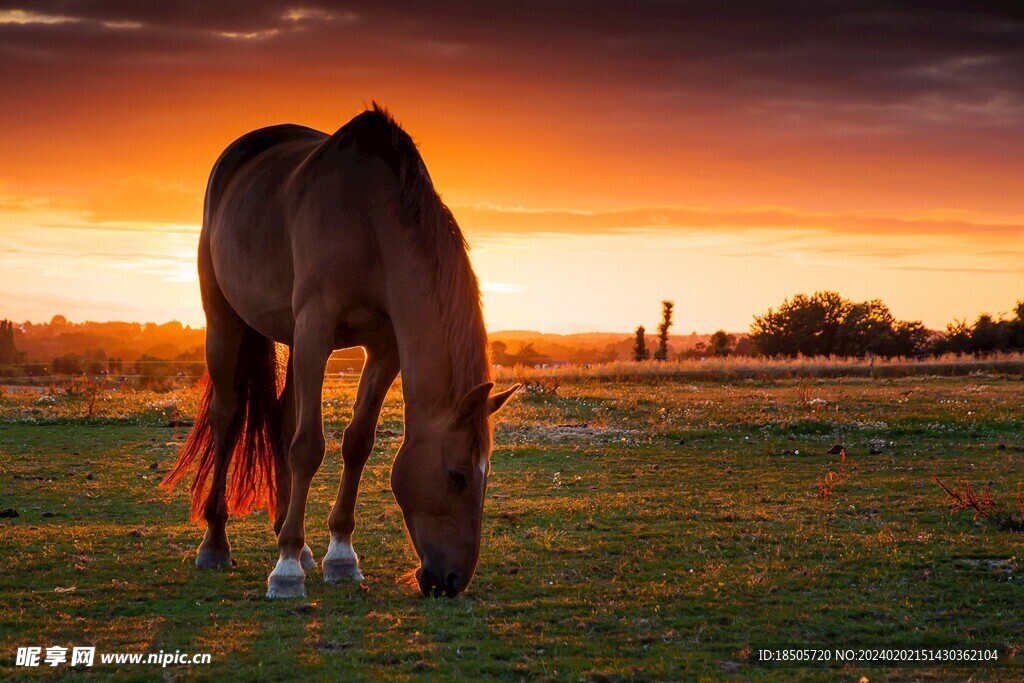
(841, 451)
(825, 486)
(540, 386)
(803, 391)
(84, 388)
(805, 396)
(90, 409)
(175, 422)
(984, 504)
(832, 479)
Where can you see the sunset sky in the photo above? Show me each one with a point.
(600, 156)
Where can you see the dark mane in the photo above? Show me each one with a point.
(442, 241)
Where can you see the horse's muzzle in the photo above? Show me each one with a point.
(436, 583)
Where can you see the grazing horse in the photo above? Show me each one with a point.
(321, 242)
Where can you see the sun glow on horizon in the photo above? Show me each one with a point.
(593, 177)
(560, 279)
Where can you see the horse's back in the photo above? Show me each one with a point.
(245, 226)
(250, 146)
(294, 215)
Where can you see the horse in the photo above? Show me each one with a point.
(320, 242)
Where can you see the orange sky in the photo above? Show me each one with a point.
(600, 156)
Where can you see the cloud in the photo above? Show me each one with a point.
(486, 218)
(872, 66)
(726, 95)
(22, 17)
(159, 204)
(145, 199)
(502, 287)
(152, 205)
(18, 203)
(960, 271)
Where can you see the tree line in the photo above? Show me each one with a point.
(822, 324)
(826, 324)
(59, 334)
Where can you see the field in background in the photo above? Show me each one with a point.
(650, 530)
(752, 367)
(344, 371)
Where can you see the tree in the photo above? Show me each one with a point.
(806, 325)
(988, 335)
(68, 364)
(826, 324)
(499, 353)
(666, 323)
(528, 356)
(957, 338)
(912, 338)
(721, 343)
(1016, 328)
(865, 327)
(9, 354)
(640, 351)
(743, 347)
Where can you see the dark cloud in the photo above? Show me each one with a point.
(923, 63)
(773, 97)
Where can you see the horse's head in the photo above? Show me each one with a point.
(439, 478)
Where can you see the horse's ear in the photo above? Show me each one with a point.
(496, 401)
(473, 402)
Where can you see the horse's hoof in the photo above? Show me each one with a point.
(286, 587)
(341, 570)
(287, 580)
(213, 558)
(306, 559)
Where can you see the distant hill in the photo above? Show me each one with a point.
(42, 342)
(129, 341)
(588, 347)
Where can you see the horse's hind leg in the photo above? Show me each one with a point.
(223, 344)
(312, 348)
(341, 561)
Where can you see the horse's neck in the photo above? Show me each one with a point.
(422, 342)
(418, 315)
(425, 360)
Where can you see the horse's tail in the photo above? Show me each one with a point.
(257, 454)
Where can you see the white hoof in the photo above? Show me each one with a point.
(335, 572)
(306, 559)
(287, 580)
(341, 563)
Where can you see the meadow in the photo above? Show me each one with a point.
(649, 529)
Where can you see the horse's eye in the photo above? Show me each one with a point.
(456, 480)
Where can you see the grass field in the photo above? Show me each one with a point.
(644, 530)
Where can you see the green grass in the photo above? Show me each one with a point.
(647, 531)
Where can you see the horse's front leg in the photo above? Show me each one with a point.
(341, 561)
(311, 349)
(284, 483)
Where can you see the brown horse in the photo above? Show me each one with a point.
(321, 242)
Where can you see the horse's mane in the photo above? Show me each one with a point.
(439, 237)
